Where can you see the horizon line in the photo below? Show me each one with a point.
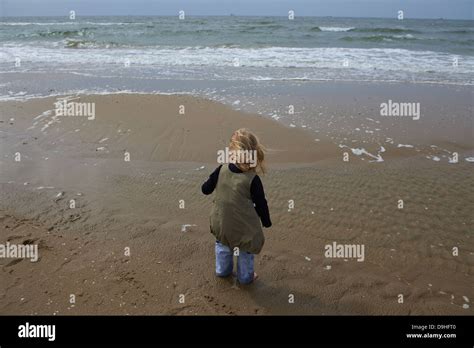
(233, 15)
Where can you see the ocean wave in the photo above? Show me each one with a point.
(267, 78)
(318, 59)
(264, 22)
(466, 42)
(337, 29)
(57, 33)
(91, 44)
(79, 44)
(256, 27)
(331, 29)
(386, 30)
(461, 31)
(69, 23)
(379, 38)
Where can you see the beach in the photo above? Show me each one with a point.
(137, 239)
(109, 125)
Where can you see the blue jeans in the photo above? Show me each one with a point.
(225, 264)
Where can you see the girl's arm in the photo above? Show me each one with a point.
(258, 198)
(208, 187)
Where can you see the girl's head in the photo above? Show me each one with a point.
(247, 150)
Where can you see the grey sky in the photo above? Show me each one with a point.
(450, 9)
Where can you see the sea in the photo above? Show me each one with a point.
(243, 48)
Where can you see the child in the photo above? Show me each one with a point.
(239, 206)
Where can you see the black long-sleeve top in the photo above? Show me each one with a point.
(256, 192)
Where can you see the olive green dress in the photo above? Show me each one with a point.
(234, 221)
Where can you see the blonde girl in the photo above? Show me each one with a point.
(240, 207)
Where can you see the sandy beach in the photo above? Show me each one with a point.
(128, 247)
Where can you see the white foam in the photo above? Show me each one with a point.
(90, 92)
(403, 145)
(362, 151)
(358, 152)
(263, 78)
(336, 28)
(369, 60)
(406, 36)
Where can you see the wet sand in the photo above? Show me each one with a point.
(135, 205)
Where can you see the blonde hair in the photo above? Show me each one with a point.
(243, 139)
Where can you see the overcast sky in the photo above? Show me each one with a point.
(452, 9)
